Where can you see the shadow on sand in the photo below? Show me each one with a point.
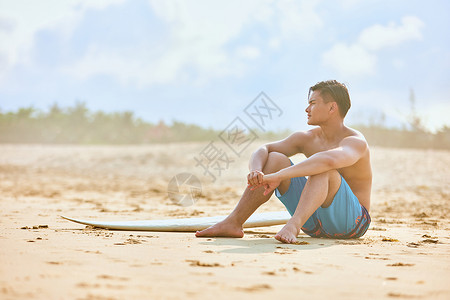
(252, 245)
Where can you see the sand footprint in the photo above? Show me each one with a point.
(255, 288)
(197, 263)
(400, 265)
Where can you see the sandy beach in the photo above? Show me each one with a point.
(404, 255)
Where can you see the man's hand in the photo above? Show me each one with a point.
(254, 178)
(270, 182)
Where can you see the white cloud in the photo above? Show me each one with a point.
(22, 19)
(347, 4)
(378, 37)
(359, 58)
(248, 52)
(200, 33)
(274, 43)
(129, 71)
(199, 39)
(352, 60)
(398, 63)
(298, 19)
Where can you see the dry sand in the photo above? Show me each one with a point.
(405, 253)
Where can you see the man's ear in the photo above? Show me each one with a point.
(333, 107)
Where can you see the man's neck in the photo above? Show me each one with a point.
(333, 131)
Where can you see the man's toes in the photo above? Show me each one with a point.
(281, 238)
(202, 232)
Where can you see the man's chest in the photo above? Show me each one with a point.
(316, 146)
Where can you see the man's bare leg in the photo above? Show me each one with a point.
(318, 191)
(249, 202)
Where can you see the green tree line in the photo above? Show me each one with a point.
(78, 125)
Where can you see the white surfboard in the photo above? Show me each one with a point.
(187, 224)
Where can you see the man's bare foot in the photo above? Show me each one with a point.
(288, 234)
(222, 229)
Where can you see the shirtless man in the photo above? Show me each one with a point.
(333, 201)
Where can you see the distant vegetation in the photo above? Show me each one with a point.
(403, 138)
(413, 135)
(78, 125)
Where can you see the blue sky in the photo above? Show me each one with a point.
(203, 61)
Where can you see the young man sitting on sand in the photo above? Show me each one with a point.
(333, 201)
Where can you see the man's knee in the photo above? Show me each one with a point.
(275, 162)
(331, 180)
(328, 175)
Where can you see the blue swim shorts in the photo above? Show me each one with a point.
(345, 218)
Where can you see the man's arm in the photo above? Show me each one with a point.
(350, 150)
(348, 153)
(289, 146)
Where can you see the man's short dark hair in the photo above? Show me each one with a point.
(332, 90)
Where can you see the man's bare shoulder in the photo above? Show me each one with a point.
(307, 135)
(311, 133)
(355, 139)
(300, 136)
(293, 144)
